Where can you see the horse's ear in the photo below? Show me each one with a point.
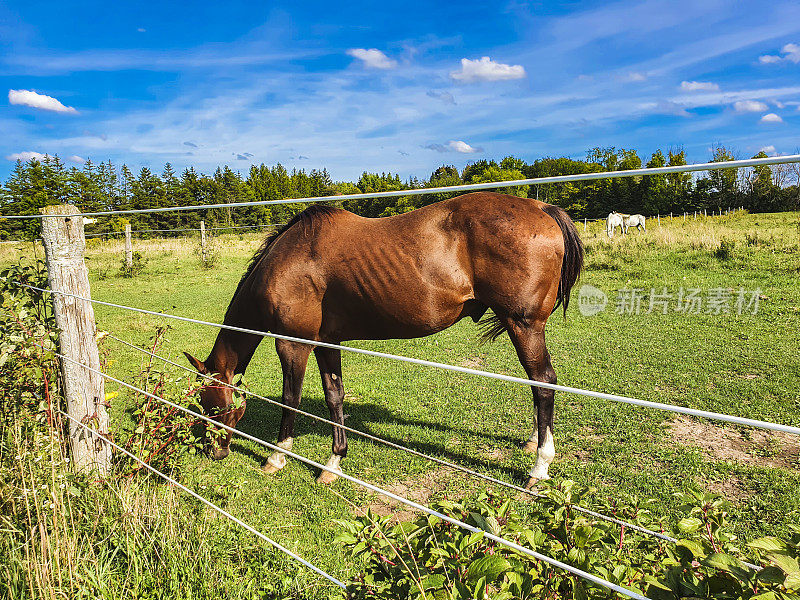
(197, 364)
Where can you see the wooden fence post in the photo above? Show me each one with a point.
(659, 219)
(84, 390)
(128, 248)
(203, 241)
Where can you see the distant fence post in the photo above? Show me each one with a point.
(203, 241)
(584, 223)
(128, 248)
(84, 390)
(659, 219)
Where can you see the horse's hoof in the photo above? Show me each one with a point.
(532, 481)
(327, 478)
(529, 447)
(269, 469)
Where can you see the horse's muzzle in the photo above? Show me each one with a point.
(219, 453)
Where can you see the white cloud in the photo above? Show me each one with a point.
(771, 118)
(141, 30)
(34, 100)
(454, 146)
(699, 86)
(26, 156)
(76, 159)
(791, 52)
(633, 76)
(485, 69)
(372, 58)
(462, 147)
(749, 106)
(770, 150)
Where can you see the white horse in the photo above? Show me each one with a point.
(613, 221)
(629, 221)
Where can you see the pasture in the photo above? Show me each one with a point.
(746, 365)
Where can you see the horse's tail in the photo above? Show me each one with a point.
(572, 264)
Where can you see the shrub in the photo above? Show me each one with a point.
(430, 558)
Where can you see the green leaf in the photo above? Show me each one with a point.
(769, 544)
(771, 575)
(693, 547)
(689, 524)
(792, 581)
(490, 567)
(786, 563)
(435, 580)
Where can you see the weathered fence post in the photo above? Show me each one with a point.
(84, 390)
(128, 248)
(203, 241)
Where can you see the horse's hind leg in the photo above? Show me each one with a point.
(528, 340)
(330, 369)
(294, 358)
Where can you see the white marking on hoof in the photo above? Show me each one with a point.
(545, 455)
(277, 460)
(326, 477)
(532, 481)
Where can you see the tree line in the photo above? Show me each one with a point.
(104, 187)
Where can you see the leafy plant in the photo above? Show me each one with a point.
(137, 265)
(430, 558)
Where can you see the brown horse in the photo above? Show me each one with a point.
(330, 275)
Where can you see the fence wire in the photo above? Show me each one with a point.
(197, 496)
(465, 370)
(373, 438)
(711, 166)
(410, 503)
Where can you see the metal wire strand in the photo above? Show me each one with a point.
(208, 503)
(428, 363)
(502, 541)
(751, 162)
(445, 463)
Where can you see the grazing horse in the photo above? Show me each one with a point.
(629, 221)
(330, 275)
(613, 221)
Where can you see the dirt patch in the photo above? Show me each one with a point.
(419, 489)
(731, 489)
(771, 448)
(474, 362)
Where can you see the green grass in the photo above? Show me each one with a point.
(747, 365)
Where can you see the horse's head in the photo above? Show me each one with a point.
(219, 402)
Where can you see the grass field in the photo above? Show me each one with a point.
(747, 365)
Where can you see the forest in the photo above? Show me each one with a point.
(104, 186)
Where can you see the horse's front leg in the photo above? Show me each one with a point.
(528, 340)
(294, 358)
(330, 369)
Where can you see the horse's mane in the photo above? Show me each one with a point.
(307, 219)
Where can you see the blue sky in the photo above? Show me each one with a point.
(393, 86)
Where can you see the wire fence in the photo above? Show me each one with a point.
(420, 362)
(366, 485)
(458, 369)
(223, 512)
(710, 166)
(374, 438)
